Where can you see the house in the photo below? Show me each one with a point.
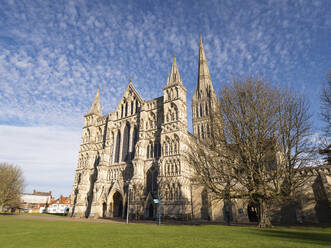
(58, 206)
(33, 202)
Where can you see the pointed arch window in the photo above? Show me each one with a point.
(126, 142)
(131, 107)
(152, 150)
(117, 147)
(135, 139)
(166, 149)
(88, 135)
(156, 146)
(99, 134)
(207, 110)
(171, 148)
(198, 131)
(202, 132)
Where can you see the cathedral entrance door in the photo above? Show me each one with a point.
(252, 212)
(104, 210)
(151, 211)
(118, 204)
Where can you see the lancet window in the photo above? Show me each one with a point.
(172, 192)
(126, 142)
(126, 109)
(153, 149)
(131, 108)
(86, 136)
(99, 135)
(202, 131)
(201, 110)
(207, 109)
(172, 114)
(117, 146)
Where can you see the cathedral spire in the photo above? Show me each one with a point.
(204, 85)
(95, 107)
(174, 74)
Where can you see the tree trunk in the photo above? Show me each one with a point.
(264, 221)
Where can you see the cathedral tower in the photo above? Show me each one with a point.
(204, 99)
(174, 129)
(87, 160)
(175, 99)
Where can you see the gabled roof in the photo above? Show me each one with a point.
(133, 90)
(131, 86)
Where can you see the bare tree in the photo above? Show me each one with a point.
(11, 185)
(298, 150)
(326, 117)
(256, 143)
(326, 106)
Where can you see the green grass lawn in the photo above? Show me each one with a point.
(17, 232)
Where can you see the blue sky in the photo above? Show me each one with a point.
(54, 55)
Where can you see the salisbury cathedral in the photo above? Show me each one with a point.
(135, 154)
(136, 151)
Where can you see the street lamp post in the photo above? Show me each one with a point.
(158, 201)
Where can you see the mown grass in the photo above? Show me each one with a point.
(18, 232)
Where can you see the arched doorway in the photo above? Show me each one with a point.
(117, 204)
(104, 210)
(204, 205)
(151, 211)
(151, 181)
(252, 212)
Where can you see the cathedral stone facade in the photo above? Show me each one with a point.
(135, 154)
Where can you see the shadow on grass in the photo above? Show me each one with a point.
(35, 214)
(299, 236)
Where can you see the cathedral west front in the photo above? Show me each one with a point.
(135, 154)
